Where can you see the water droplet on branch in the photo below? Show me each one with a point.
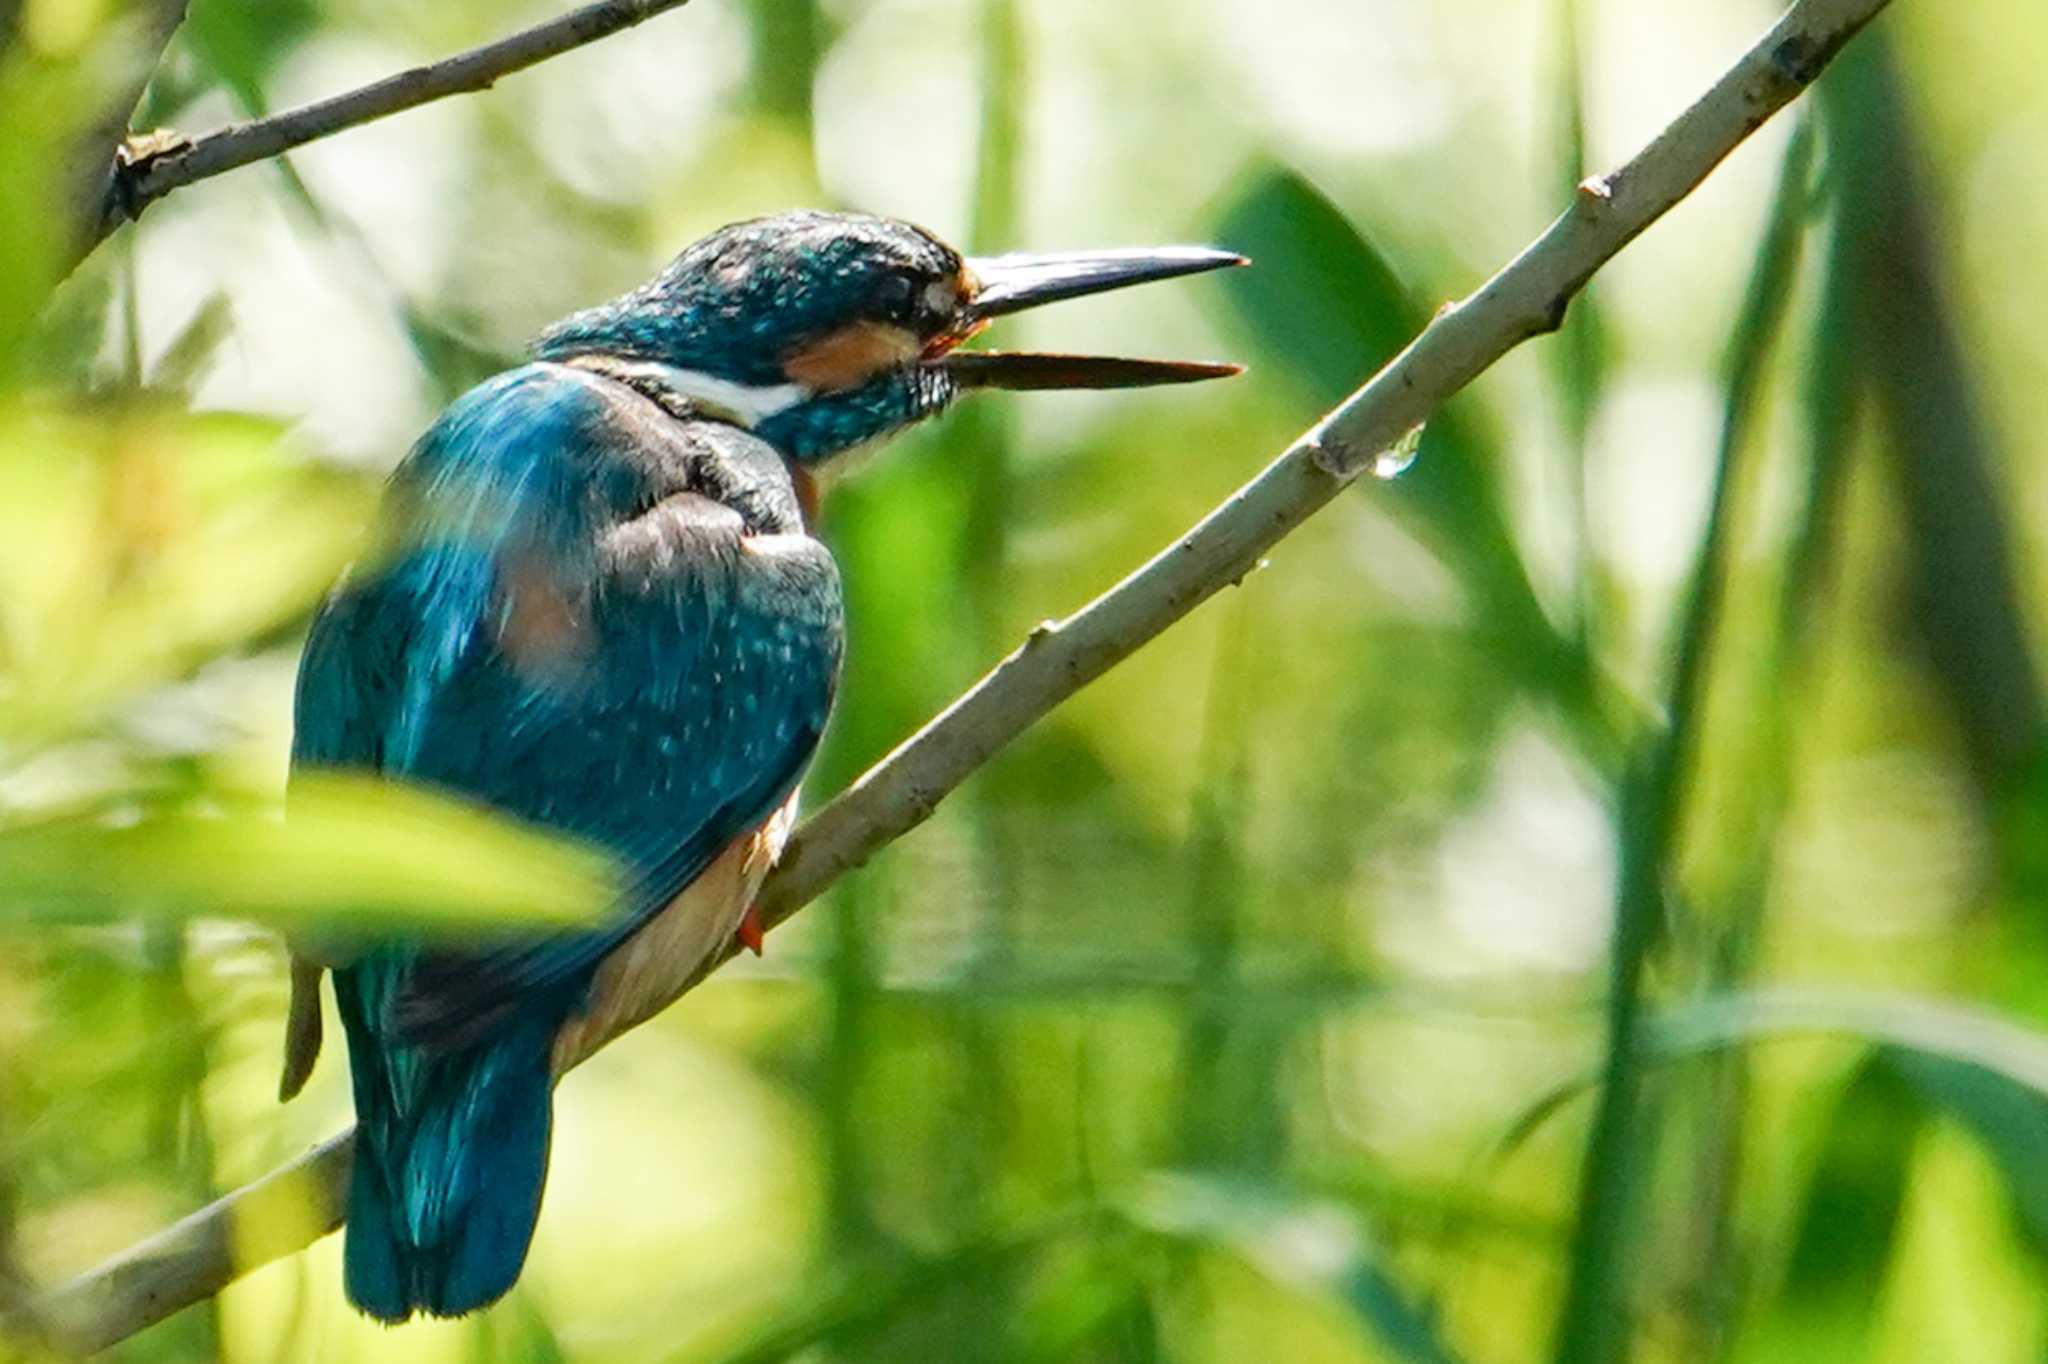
(1393, 461)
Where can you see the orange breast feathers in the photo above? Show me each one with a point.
(645, 976)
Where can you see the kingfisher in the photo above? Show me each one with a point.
(603, 610)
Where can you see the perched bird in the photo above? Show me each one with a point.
(603, 612)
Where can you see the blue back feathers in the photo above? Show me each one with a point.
(575, 627)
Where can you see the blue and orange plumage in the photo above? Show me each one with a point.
(603, 613)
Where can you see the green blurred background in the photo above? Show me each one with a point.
(1248, 1007)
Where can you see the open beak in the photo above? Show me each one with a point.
(1013, 283)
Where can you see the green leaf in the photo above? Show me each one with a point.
(243, 45)
(44, 106)
(1319, 1247)
(1328, 309)
(1907, 1024)
(354, 852)
(1321, 297)
(2009, 1117)
(791, 38)
(1096, 1293)
(1848, 1226)
(178, 369)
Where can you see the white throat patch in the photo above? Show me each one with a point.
(746, 405)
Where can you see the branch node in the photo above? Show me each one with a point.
(135, 156)
(1801, 57)
(1334, 455)
(1554, 315)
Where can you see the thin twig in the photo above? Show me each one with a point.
(146, 169)
(1526, 299)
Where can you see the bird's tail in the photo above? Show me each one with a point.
(451, 1155)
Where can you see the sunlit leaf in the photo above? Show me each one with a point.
(353, 852)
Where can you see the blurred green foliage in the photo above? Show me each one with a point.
(1265, 1001)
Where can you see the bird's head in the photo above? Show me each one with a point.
(823, 331)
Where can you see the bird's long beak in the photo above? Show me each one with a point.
(1023, 369)
(1013, 283)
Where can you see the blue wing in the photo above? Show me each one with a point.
(572, 634)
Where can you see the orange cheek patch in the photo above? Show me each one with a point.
(850, 356)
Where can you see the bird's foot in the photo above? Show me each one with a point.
(751, 932)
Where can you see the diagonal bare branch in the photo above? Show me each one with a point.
(297, 1204)
(145, 169)
(1527, 298)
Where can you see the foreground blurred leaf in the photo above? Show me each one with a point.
(355, 852)
(1315, 1246)
(133, 549)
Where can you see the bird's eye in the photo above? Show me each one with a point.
(895, 296)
